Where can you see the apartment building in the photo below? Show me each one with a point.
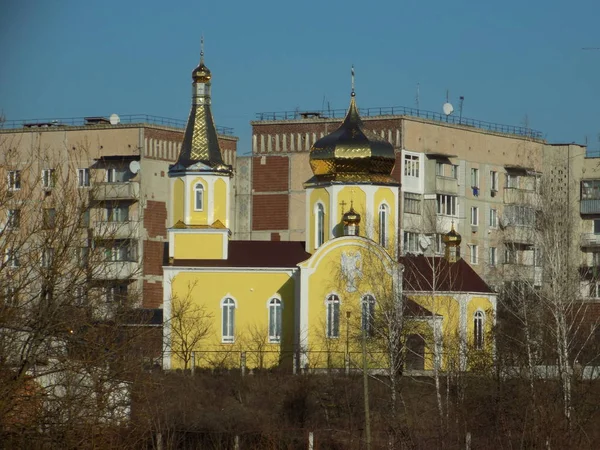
(481, 177)
(118, 171)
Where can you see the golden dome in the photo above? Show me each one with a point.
(352, 154)
(452, 237)
(201, 74)
(351, 217)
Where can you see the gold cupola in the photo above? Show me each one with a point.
(452, 242)
(352, 154)
(351, 221)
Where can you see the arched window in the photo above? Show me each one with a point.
(368, 314)
(199, 197)
(228, 322)
(275, 309)
(478, 329)
(333, 316)
(383, 225)
(319, 225)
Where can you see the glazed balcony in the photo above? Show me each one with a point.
(519, 196)
(128, 190)
(115, 270)
(590, 240)
(589, 206)
(115, 230)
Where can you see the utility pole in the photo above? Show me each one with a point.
(366, 389)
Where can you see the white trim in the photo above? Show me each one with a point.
(269, 305)
(316, 224)
(274, 296)
(167, 291)
(328, 302)
(228, 296)
(203, 189)
(179, 269)
(387, 223)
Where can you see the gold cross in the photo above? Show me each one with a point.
(343, 205)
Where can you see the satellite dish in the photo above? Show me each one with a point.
(448, 108)
(424, 242)
(114, 119)
(134, 166)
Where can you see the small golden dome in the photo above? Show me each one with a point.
(452, 237)
(352, 153)
(351, 217)
(201, 74)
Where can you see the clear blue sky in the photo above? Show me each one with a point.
(511, 59)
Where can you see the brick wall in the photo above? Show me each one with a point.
(155, 219)
(153, 257)
(270, 173)
(270, 212)
(152, 295)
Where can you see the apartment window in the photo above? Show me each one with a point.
(454, 171)
(537, 257)
(14, 180)
(447, 205)
(115, 293)
(512, 181)
(333, 316)
(474, 249)
(590, 189)
(439, 169)
(594, 289)
(596, 226)
(439, 243)
(493, 256)
(368, 315)
(383, 225)
(49, 218)
(80, 296)
(411, 166)
(84, 218)
(510, 255)
(319, 225)
(12, 259)
(519, 215)
(228, 320)
(83, 256)
(117, 213)
(116, 174)
(47, 257)
(474, 215)
(83, 177)
(10, 296)
(199, 197)
(493, 218)
(494, 180)
(275, 315)
(13, 219)
(123, 251)
(475, 178)
(411, 242)
(412, 203)
(48, 178)
(478, 330)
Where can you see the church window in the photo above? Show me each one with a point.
(383, 225)
(275, 310)
(478, 330)
(320, 226)
(228, 324)
(333, 316)
(199, 197)
(368, 315)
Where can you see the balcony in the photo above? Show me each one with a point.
(590, 206)
(115, 230)
(519, 196)
(446, 185)
(590, 240)
(516, 234)
(529, 273)
(129, 190)
(115, 270)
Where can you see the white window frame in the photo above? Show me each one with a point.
(83, 177)
(412, 165)
(439, 169)
(47, 257)
(319, 224)
(447, 205)
(475, 216)
(411, 242)
(199, 192)
(383, 224)
(493, 218)
(454, 168)
(367, 306)
(474, 254)
(228, 307)
(14, 180)
(117, 213)
(13, 219)
(512, 181)
(474, 177)
(493, 256)
(275, 318)
(12, 258)
(48, 178)
(332, 316)
(494, 180)
(478, 330)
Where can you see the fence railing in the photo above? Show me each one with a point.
(102, 120)
(402, 111)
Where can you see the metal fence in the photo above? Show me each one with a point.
(402, 111)
(95, 120)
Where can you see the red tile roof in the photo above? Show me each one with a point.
(274, 254)
(437, 274)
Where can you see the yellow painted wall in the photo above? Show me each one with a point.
(251, 291)
(220, 201)
(199, 245)
(385, 195)
(198, 217)
(318, 195)
(178, 201)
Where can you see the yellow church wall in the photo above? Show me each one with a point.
(198, 217)
(386, 195)
(199, 245)
(220, 201)
(178, 201)
(251, 291)
(318, 195)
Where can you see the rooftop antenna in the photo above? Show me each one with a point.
(447, 108)
(460, 109)
(417, 99)
(353, 93)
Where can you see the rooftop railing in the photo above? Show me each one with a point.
(401, 111)
(101, 120)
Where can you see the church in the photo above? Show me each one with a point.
(316, 304)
